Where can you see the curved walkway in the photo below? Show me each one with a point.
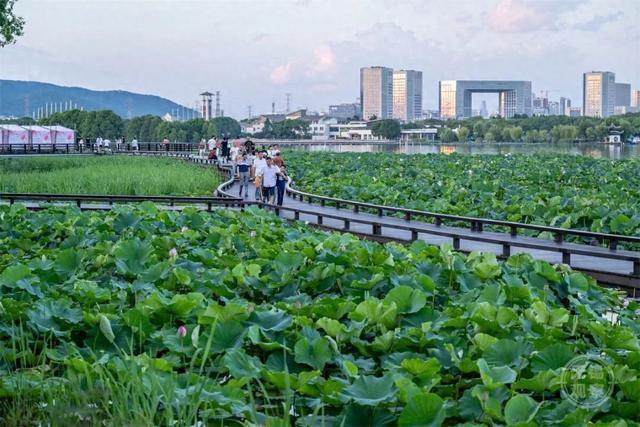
(607, 270)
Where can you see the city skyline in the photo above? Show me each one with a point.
(255, 53)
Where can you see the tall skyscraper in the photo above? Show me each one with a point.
(598, 94)
(376, 92)
(407, 95)
(484, 113)
(565, 106)
(635, 99)
(623, 95)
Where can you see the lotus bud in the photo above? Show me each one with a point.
(184, 228)
(173, 253)
(253, 233)
(182, 331)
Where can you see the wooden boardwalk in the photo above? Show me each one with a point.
(607, 270)
(609, 265)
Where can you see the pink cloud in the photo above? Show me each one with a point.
(514, 16)
(282, 73)
(310, 67)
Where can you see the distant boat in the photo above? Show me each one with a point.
(635, 140)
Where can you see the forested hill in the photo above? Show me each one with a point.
(20, 97)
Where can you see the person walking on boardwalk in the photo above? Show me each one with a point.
(134, 144)
(278, 160)
(258, 164)
(244, 167)
(269, 174)
(225, 149)
(281, 183)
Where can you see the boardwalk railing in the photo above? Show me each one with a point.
(82, 199)
(77, 148)
(474, 224)
(340, 222)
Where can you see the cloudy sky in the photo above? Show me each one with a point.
(255, 51)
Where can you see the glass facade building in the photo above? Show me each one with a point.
(376, 92)
(407, 95)
(598, 94)
(456, 97)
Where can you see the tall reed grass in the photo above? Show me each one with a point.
(105, 175)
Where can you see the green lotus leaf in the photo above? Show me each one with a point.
(520, 409)
(182, 305)
(507, 352)
(493, 377)
(407, 300)
(552, 357)
(424, 410)
(315, 353)
(365, 416)
(132, 256)
(240, 365)
(272, 320)
(370, 390)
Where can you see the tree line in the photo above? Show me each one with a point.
(532, 129)
(107, 124)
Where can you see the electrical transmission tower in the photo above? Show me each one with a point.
(288, 95)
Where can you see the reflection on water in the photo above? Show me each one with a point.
(607, 151)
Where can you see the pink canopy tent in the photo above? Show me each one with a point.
(62, 135)
(39, 134)
(13, 134)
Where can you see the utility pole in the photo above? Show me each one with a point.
(288, 95)
(249, 111)
(273, 107)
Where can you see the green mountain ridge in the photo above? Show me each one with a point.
(22, 98)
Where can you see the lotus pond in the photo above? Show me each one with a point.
(146, 317)
(557, 190)
(125, 175)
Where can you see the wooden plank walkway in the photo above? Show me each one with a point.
(438, 235)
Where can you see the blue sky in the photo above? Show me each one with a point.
(256, 51)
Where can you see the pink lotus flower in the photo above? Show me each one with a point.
(173, 253)
(182, 331)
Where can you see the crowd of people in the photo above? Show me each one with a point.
(265, 167)
(104, 146)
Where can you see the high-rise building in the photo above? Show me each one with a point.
(376, 92)
(565, 105)
(407, 95)
(514, 97)
(484, 113)
(575, 112)
(345, 111)
(623, 95)
(635, 100)
(598, 94)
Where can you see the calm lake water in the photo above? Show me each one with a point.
(607, 151)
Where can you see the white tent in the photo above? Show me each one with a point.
(62, 135)
(13, 134)
(39, 135)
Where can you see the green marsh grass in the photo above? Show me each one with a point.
(106, 175)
